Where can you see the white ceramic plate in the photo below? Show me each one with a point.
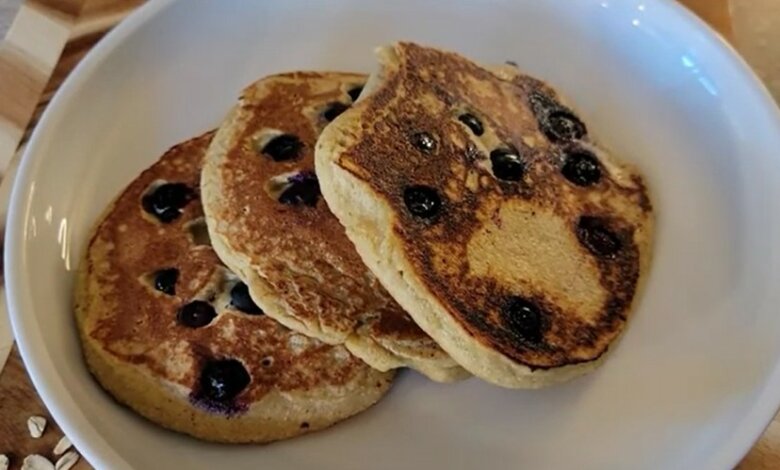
(693, 382)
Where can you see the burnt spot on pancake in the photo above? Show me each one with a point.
(283, 147)
(167, 201)
(165, 280)
(303, 188)
(507, 164)
(242, 301)
(198, 232)
(524, 319)
(220, 382)
(422, 201)
(473, 123)
(557, 122)
(196, 314)
(424, 142)
(334, 110)
(581, 167)
(594, 233)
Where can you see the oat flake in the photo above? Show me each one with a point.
(36, 425)
(37, 462)
(63, 445)
(67, 461)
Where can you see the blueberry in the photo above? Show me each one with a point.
(563, 126)
(542, 104)
(523, 318)
(304, 189)
(506, 164)
(597, 237)
(424, 142)
(196, 314)
(283, 147)
(422, 201)
(473, 123)
(222, 380)
(165, 280)
(241, 300)
(334, 110)
(581, 168)
(354, 93)
(167, 201)
(557, 122)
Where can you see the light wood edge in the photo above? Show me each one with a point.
(28, 55)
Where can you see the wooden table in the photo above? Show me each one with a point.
(92, 18)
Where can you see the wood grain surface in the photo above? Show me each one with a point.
(28, 54)
(18, 400)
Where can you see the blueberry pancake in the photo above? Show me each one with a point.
(170, 332)
(484, 206)
(270, 225)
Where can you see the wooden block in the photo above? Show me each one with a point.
(28, 55)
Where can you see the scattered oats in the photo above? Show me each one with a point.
(63, 445)
(37, 462)
(67, 461)
(36, 425)
(4, 462)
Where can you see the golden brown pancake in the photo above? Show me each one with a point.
(171, 333)
(487, 210)
(270, 225)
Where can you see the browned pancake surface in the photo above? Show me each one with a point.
(126, 316)
(298, 248)
(539, 267)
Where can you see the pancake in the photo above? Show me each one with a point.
(270, 226)
(487, 210)
(168, 331)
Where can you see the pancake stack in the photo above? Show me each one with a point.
(267, 279)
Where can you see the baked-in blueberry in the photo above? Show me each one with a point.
(424, 142)
(422, 201)
(334, 110)
(354, 93)
(241, 300)
(557, 122)
(473, 123)
(304, 188)
(595, 234)
(524, 318)
(506, 164)
(196, 314)
(167, 201)
(222, 380)
(581, 168)
(165, 280)
(563, 125)
(283, 147)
